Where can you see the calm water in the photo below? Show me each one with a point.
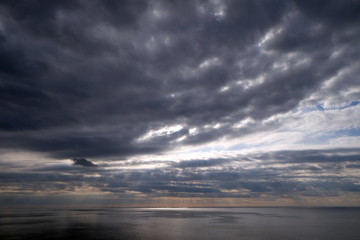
(192, 223)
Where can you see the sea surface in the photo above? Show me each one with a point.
(181, 223)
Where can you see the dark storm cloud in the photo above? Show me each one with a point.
(89, 78)
(83, 162)
(336, 13)
(37, 15)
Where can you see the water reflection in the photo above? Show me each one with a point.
(197, 223)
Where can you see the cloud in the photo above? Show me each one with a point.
(278, 174)
(200, 163)
(262, 95)
(83, 162)
(148, 70)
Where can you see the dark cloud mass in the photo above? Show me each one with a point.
(83, 162)
(137, 65)
(112, 80)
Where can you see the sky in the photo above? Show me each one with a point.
(179, 103)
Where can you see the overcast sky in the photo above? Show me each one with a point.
(179, 103)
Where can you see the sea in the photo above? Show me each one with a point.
(340, 223)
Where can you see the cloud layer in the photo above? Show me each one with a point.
(122, 83)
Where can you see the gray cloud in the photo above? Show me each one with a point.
(231, 178)
(139, 59)
(91, 79)
(312, 156)
(201, 163)
(83, 162)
